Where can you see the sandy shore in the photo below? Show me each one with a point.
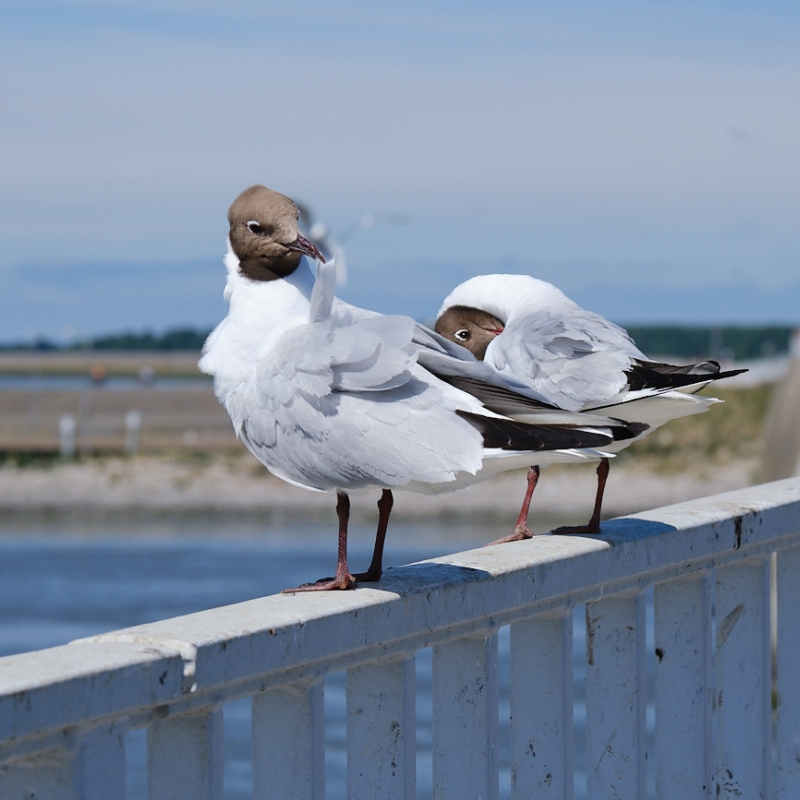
(238, 485)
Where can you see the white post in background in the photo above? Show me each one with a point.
(133, 427)
(684, 686)
(185, 757)
(616, 698)
(67, 427)
(788, 685)
(381, 731)
(542, 743)
(744, 764)
(86, 420)
(465, 719)
(289, 743)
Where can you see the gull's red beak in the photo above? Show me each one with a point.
(302, 245)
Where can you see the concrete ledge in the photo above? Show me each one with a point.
(283, 637)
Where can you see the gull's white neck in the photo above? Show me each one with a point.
(260, 313)
(266, 309)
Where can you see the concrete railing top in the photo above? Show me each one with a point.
(212, 656)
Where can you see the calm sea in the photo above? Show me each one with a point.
(64, 579)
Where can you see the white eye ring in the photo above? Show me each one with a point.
(254, 227)
(462, 334)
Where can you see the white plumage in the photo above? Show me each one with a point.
(331, 397)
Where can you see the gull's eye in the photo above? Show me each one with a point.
(462, 334)
(254, 227)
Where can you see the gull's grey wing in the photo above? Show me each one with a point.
(346, 406)
(569, 358)
(455, 365)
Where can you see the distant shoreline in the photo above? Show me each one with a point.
(237, 486)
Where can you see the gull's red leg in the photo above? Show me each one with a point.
(521, 530)
(594, 523)
(376, 565)
(343, 579)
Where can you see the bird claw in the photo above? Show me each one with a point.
(519, 534)
(340, 583)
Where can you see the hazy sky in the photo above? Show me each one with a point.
(644, 156)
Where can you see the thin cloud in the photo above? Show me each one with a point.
(622, 141)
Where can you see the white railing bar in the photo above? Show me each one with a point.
(465, 719)
(683, 688)
(316, 670)
(742, 690)
(381, 731)
(89, 765)
(542, 734)
(271, 638)
(288, 743)
(104, 680)
(185, 757)
(180, 703)
(616, 698)
(788, 685)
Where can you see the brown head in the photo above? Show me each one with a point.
(265, 236)
(469, 327)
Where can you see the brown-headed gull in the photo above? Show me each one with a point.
(331, 397)
(531, 333)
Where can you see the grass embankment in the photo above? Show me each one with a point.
(726, 432)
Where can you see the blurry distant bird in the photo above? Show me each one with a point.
(531, 333)
(332, 397)
(332, 245)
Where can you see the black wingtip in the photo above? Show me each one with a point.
(652, 375)
(623, 431)
(507, 434)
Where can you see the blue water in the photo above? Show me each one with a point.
(61, 580)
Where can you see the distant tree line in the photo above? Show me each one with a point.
(179, 339)
(711, 342)
(669, 340)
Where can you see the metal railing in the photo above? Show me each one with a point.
(65, 712)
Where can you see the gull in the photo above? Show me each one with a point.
(331, 397)
(530, 332)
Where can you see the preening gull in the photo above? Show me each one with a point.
(331, 397)
(530, 332)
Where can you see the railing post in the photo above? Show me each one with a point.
(683, 690)
(92, 769)
(465, 719)
(185, 757)
(381, 731)
(542, 743)
(742, 690)
(788, 731)
(289, 743)
(616, 699)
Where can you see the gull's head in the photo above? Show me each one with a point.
(265, 236)
(469, 327)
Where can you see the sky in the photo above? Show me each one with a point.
(644, 156)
